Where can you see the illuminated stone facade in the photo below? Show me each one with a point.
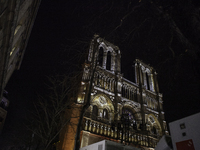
(120, 110)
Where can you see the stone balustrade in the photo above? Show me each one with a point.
(135, 137)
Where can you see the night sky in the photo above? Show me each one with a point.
(60, 25)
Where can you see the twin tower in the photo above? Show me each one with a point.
(120, 110)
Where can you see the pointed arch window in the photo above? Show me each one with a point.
(108, 61)
(94, 112)
(123, 91)
(100, 58)
(147, 78)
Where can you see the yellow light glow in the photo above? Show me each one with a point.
(80, 100)
(12, 51)
(17, 28)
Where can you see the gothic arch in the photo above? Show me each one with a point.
(135, 109)
(128, 110)
(108, 61)
(102, 101)
(110, 49)
(103, 45)
(153, 121)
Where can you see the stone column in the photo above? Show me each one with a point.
(156, 83)
(151, 82)
(100, 112)
(113, 57)
(136, 74)
(104, 59)
(85, 139)
(110, 117)
(118, 62)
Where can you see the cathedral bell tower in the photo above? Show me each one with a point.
(150, 98)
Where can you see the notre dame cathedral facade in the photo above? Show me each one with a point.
(120, 110)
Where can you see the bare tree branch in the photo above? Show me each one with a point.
(48, 120)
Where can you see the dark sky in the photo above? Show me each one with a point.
(62, 24)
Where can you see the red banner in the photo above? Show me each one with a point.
(185, 145)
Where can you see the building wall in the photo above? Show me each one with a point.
(118, 103)
(69, 132)
(186, 131)
(16, 21)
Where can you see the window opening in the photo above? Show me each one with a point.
(147, 77)
(123, 91)
(108, 62)
(100, 57)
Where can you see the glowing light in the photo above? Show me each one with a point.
(12, 51)
(79, 100)
(119, 94)
(17, 28)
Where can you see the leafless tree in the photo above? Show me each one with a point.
(50, 118)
